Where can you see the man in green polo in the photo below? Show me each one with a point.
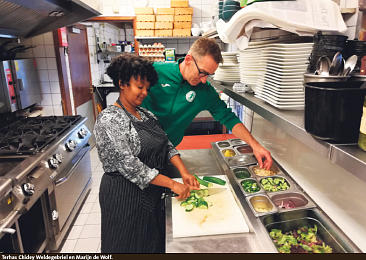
(182, 92)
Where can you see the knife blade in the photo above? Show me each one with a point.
(212, 191)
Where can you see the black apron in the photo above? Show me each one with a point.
(133, 220)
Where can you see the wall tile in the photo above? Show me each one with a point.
(196, 10)
(47, 100)
(45, 86)
(208, 2)
(56, 99)
(351, 19)
(43, 75)
(107, 10)
(47, 110)
(51, 63)
(351, 32)
(352, 4)
(183, 48)
(53, 75)
(41, 63)
(196, 20)
(50, 51)
(206, 11)
(37, 40)
(39, 51)
(57, 110)
(48, 38)
(55, 87)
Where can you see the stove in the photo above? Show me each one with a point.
(44, 159)
(31, 135)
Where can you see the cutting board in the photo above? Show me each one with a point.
(224, 217)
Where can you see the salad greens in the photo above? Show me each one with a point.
(274, 184)
(250, 186)
(303, 240)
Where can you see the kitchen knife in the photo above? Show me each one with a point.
(212, 191)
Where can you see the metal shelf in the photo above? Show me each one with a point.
(348, 156)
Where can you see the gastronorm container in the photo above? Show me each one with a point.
(236, 141)
(223, 144)
(240, 160)
(243, 149)
(261, 190)
(245, 175)
(287, 221)
(231, 150)
(301, 201)
(273, 168)
(261, 201)
(290, 183)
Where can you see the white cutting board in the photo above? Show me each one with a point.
(224, 217)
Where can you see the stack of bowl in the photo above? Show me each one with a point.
(230, 7)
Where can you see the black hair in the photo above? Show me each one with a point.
(126, 66)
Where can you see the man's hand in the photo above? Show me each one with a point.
(259, 153)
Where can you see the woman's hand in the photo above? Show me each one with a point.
(181, 189)
(259, 152)
(191, 181)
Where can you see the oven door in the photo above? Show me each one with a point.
(70, 185)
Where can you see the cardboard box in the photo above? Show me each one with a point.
(182, 18)
(163, 25)
(181, 32)
(145, 33)
(178, 4)
(165, 18)
(182, 25)
(163, 32)
(145, 18)
(144, 10)
(164, 11)
(183, 11)
(145, 25)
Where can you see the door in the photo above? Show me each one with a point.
(80, 75)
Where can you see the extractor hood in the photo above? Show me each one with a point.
(29, 18)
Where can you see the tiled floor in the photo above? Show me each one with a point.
(84, 235)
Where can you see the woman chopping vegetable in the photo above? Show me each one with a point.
(133, 149)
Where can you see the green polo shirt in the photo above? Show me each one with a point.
(176, 103)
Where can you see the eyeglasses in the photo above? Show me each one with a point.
(200, 73)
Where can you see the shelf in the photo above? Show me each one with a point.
(167, 37)
(348, 10)
(347, 156)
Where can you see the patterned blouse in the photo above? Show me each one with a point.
(118, 145)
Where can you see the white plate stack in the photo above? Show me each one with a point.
(228, 73)
(275, 72)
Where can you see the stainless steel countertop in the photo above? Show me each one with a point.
(209, 162)
(204, 162)
(347, 156)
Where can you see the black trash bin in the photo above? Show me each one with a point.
(334, 113)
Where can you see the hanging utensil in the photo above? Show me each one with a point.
(336, 64)
(322, 66)
(349, 65)
(363, 66)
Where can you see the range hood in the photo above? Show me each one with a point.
(29, 18)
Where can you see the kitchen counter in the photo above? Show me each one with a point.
(203, 162)
(209, 162)
(347, 156)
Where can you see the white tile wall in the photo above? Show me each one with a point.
(44, 52)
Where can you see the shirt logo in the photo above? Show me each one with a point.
(165, 85)
(190, 96)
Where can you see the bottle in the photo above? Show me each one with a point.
(362, 137)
